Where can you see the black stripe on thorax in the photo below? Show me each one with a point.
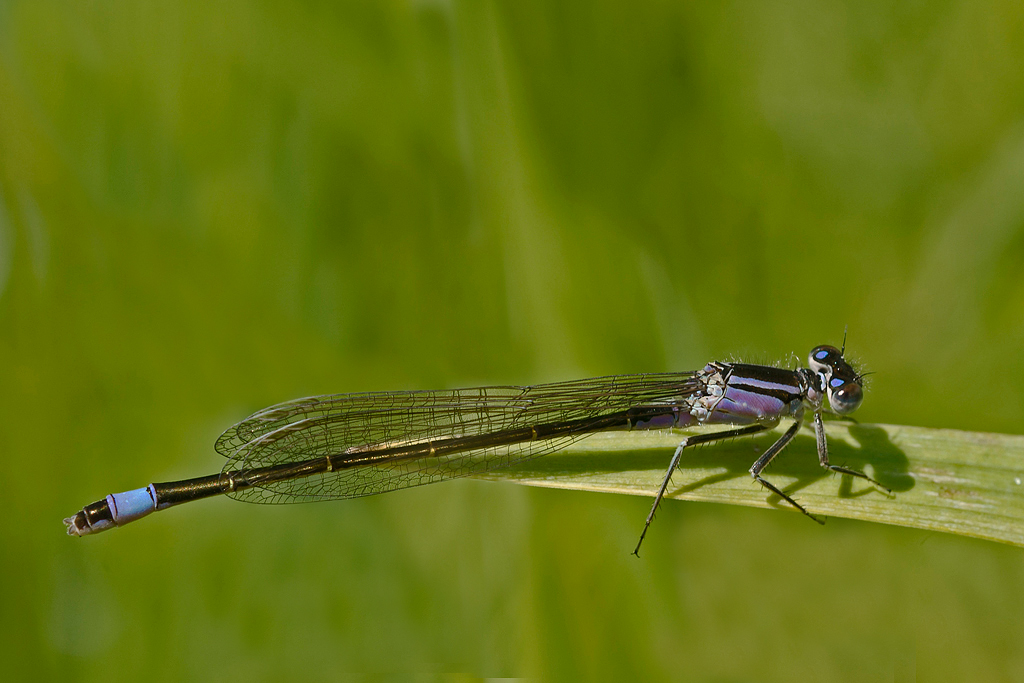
(778, 383)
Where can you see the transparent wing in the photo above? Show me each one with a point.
(308, 428)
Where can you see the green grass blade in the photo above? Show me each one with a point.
(964, 483)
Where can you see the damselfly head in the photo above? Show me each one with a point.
(843, 384)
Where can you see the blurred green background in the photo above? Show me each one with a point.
(207, 208)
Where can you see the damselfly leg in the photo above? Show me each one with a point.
(674, 463)
(769, 455)
(819, 434)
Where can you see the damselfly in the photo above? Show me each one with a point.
(351, 445)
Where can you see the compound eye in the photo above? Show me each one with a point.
(824, 358)
(844, 397)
